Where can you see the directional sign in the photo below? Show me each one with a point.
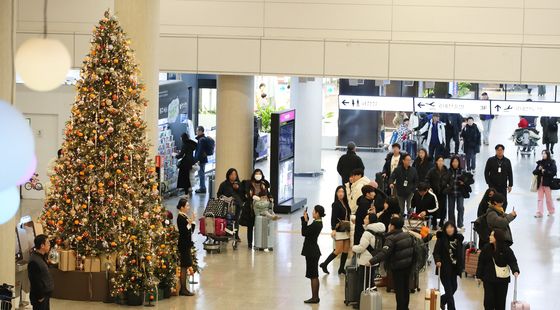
(528, 108)
(461, 106)
(375, 103)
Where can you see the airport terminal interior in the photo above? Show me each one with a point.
(113, 112)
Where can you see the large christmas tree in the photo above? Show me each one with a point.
(104, 196)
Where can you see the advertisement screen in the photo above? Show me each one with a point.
(286, 140)
(285, 182)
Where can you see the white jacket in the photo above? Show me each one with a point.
(366, 240)
(441, 132)
(355, 191)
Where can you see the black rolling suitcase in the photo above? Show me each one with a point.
(352, 287)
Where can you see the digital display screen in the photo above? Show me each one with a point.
(286, 140)
(286, 180)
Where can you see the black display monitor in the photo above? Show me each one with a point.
(282, 164)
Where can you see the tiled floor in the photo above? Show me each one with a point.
(245, 279)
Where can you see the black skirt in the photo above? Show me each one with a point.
(312, 267)
(185, 254)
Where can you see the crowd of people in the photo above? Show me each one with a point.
(428, 189)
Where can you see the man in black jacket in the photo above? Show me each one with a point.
(397, 253)
(365, 204)
(471, 144)
(404, 179)
(393, 160)
(498, 173)
(348, 162)
(425, 203)
(40, 279)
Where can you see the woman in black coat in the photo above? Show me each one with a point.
(438, 178)
(340, 226)
(485, 202)
(231, 187)
(496, 255)
(545, 172)
(550, 132)
(186, 157)
(423, 163)
(311, 249)
(448, 255)
(186, 228)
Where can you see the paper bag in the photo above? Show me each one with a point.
(67, 260)
(92, 264)
(108, 260)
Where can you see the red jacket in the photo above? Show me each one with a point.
(523, 123)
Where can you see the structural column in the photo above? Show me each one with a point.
(306, 96)
(7, 93)
(140, 20)
(234, 126)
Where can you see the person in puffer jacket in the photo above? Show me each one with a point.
(397, 253)
(373, 230)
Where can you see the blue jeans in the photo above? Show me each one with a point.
(470, 156)
(202, 176)
(453, 201)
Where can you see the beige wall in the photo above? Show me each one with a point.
(465, 40)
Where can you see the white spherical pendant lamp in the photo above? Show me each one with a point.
(9, 203)
(18, 146)
(42, 63)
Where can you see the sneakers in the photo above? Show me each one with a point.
(201, 191)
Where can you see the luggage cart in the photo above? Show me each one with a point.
(219, 231)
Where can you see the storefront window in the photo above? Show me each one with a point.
(494, 91)
(534, 92)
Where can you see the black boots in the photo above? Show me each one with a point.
(341, 269)
(327, 261)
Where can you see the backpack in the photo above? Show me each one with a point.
(481, 227)
(210, 146)
(419, 255)
(379, 239)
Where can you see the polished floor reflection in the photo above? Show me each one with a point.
(245, 279)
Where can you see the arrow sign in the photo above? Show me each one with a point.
(344, 102)
(498, 107)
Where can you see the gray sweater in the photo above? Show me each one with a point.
(500, 221)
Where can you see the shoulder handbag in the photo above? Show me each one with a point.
(534, 182)
(343, 225)
(555, 184)
(501, 272)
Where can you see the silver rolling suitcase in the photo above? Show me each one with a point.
(265, 233)
(370, 299)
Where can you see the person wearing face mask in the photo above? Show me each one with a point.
(259, 192)
(471, 144)
(186, 226)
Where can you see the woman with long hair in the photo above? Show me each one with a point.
(448, 255)
(495, 264)
(340, 226)
(545, 172)
(455, 198)
(186, 226)
(423, 163)
(485, 202)
(231, 187)
(438, 178)
(260, 193)
(311, 249)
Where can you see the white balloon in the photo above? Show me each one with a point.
(42, 63)
(29, 172)
(17, 146)
(9, 203)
